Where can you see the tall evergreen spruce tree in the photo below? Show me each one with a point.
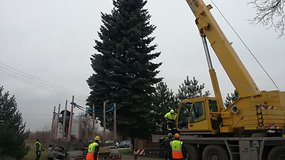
(12, 132)
(124, 71)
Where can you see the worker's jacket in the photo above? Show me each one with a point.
(91, 151)
(170, 123)
(165, 144)
(38, 146)
(176, 149)
(170, 116)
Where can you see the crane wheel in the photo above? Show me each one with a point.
(215, 152)
(193, 152)
(277, 153)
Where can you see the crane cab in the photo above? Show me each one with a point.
(198, 115)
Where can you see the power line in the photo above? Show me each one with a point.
(35, 81)
(29, 76)
(29, 82)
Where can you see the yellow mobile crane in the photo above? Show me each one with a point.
(250, 128)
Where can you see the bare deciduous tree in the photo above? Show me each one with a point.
(270, 13)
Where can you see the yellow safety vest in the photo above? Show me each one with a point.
(176, 147)
(40, 146)
(91, 150)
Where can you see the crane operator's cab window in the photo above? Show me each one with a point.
(213, 106)
(184, 116)
(197, 112)
(191, 113)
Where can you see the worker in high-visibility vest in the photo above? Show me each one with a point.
(170, 121)
(93, 149)
(38, 149)
(178, 149)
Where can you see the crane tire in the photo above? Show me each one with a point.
(277, 153)
(193, 152)
(215, 152)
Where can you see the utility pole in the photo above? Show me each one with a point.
(115, 122)
(52, 124)
(87, 130)
(57, 122)
(70, 120)
(93, 127)
(64, 121)
(104, 118)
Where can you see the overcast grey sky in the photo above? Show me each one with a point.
(53, 40)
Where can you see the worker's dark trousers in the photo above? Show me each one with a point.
(38, 155)
(167, 155)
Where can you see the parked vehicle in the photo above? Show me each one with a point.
(112, 144)
(125, 144)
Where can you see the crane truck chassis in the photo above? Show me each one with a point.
(251, 128)
(234, 148)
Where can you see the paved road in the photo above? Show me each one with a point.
(131, 157)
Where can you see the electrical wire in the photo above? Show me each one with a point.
(29, 76)
(31, 82)
(78, 106)
(246, 46)
(19, 78)
(34, 81)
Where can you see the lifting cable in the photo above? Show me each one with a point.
(246, 46)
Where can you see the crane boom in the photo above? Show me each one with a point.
(226, 54)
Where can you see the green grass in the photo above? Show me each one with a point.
(127, 151)
(32, 155)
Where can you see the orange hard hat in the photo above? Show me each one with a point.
(176, 135)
